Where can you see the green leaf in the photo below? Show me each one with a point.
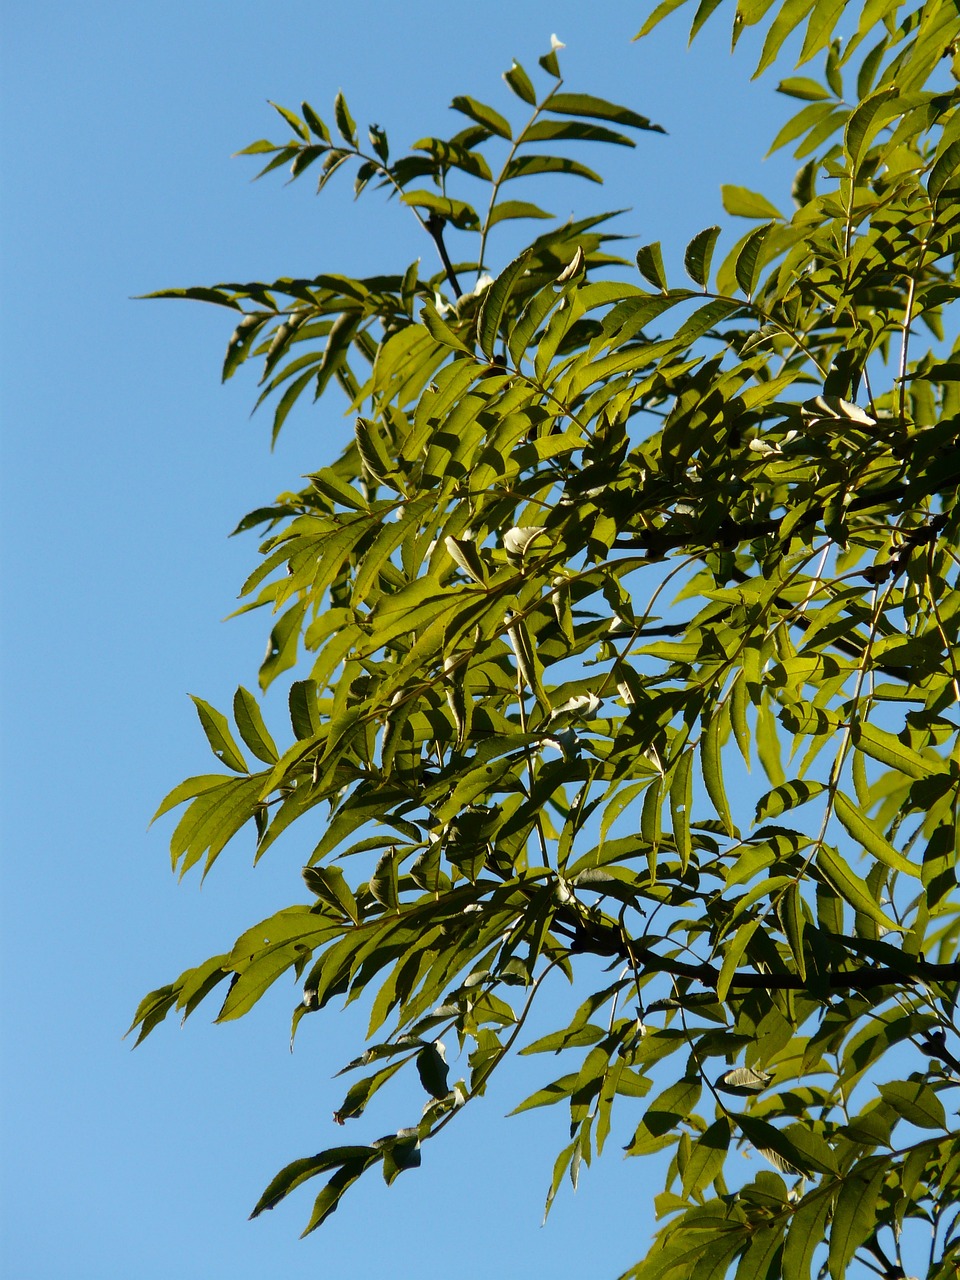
(742, 203)
(574, 131)
(451, 154)
(734, 950)
(461, 214)
(947, 165)
(283, 644)
(789, 17)
(330, 886)
(465, 554)
(546, 1097)
(758, 1262)
(526, 166)
(484, 115)
(219, 736)
(246, 712)
(345, 123)
(851, 888)
(520, 83)
(151, 1010)
(663, 10)
(384, 883)
(888, 750)
(699, 255)
(299, 1171)
(293, 120)
(866, 834)
(806, 1231)
(743, 1081)
(584, 104)
(316, 125)
(188, 790)
(330, 484)
(373, 448)
(748, 263)
(916, 1102)
(441, 331)
(495, 301)
(329, 1198)
(793, 923)
(767, 1138)
(664, 1115)
(551, 64)
(707, 1157)
(507, 209)
(855, 1214)
(650, 265)
(681, 799)
(304, 712)
(241, 341)
(400, 1154)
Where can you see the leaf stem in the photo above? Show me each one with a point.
(501, 176)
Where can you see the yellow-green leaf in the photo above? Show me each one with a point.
(866, 834)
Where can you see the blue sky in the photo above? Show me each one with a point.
(125, 465)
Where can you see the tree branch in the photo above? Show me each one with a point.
(435, 224)
(601, 939)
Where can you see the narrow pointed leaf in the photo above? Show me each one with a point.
(219, 736)
(699, 255)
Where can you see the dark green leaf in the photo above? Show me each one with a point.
(293, 120)
(804, 88)
(583, 104)
(525, 166)
(316, 125)
(520, 83)
(707, 1157)
(433, 1070)
(850, 887)
(506, 209)
(699, 255)
(650, 264)
(916, 1102)
(345, 123)
(484, 115)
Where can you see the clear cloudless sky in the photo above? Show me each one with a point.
(124, 466)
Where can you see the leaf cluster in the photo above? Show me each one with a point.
(601, 543)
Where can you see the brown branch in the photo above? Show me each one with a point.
(435, 224)
(600, 939)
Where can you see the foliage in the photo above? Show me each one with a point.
(602, 542)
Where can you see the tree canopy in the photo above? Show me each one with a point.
(603, 541)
